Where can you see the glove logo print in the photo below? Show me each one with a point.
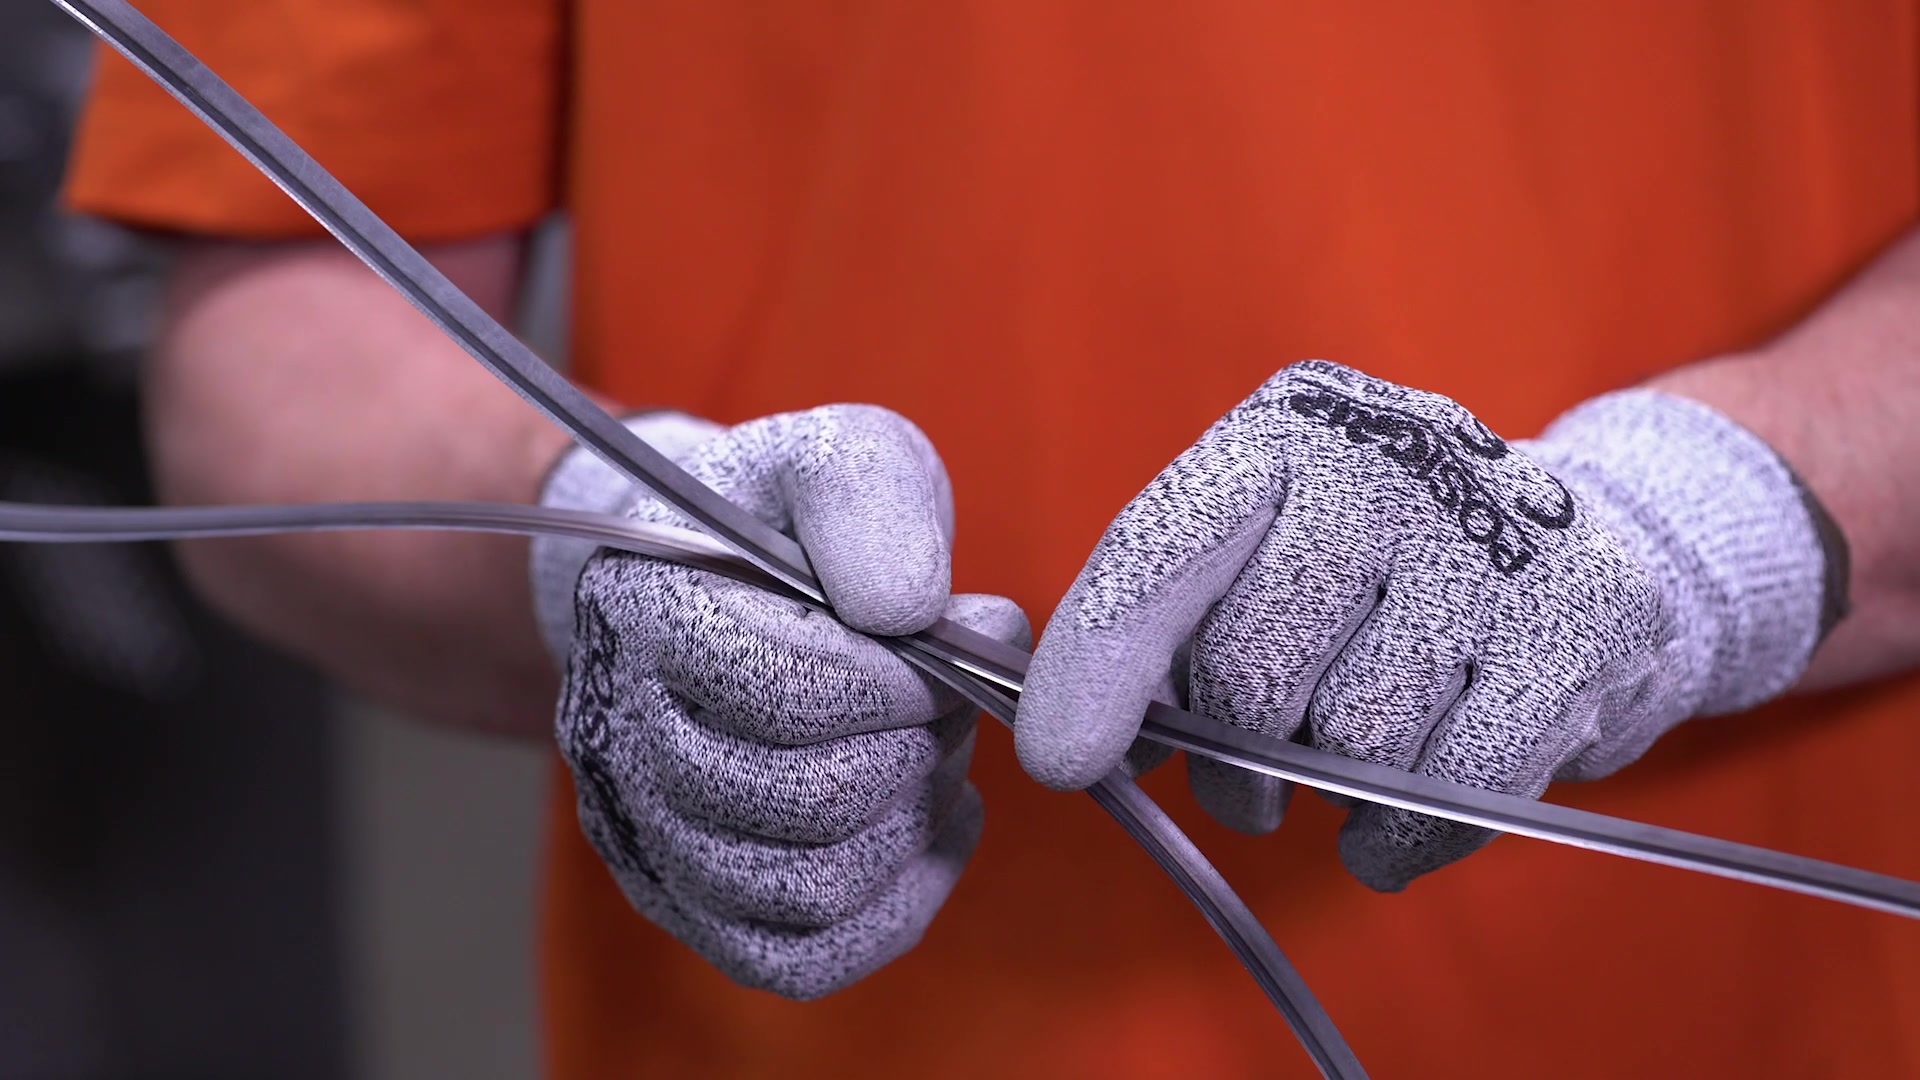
(1419, 446)
(588, 739)
(1557, 519)
(1481, 440)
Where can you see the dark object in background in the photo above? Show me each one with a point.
(167, 857)
(71, 290)
(166, 861)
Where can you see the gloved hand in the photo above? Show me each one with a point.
(781, 793)
(1371, 562)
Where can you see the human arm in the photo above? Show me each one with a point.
(285, 370)
(781, 793)
(1838, 397)
(778, 791)
(288, 372)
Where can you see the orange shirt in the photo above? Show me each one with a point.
(1064, 236)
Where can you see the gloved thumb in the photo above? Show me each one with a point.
(995, 616)
(873, 508)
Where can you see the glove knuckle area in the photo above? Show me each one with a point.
(798, 919)
(809, 962)
(1407, 664)
(1263, 647)
(1586, 610)
(773, 670)
(817, 793)
(1191, 523)
(801, 885)
(1426, 465)
(1505, 735)
(1316, 378)
(1325, 372)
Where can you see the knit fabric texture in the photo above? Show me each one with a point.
(581, 481)
(1369, 567)
(779, 791)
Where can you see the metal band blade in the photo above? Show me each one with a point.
(974, 664)
(769, 551)
(181, 74)
(1224, 910)
(1527, 817)
(986, 669)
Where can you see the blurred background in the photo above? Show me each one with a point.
(212, 864)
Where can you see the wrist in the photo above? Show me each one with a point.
(1722, 524)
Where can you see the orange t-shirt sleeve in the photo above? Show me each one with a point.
(444, 116)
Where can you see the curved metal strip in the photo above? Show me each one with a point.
(994, 672)
(1237, 925)
(1142, 819)
(973, 658)
(181, 74)
(207, 96)
(1527, 817)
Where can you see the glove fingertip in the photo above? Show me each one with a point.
(1374, 875)
(995, 616)
(872, 506)
(1082, 704)
(888, 613)
(1143, 757)
(1243, 801)
(1376, 861)
(884, 575)
(1063, 752)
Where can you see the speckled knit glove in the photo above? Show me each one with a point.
(1371, 562)
(781, 793)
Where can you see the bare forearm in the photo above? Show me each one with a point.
(289, 373)
(1839, 398)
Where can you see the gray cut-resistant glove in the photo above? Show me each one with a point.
(783, 794)
(1371, 562)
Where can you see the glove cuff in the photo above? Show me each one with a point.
(581, 481)
(1722, 522)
